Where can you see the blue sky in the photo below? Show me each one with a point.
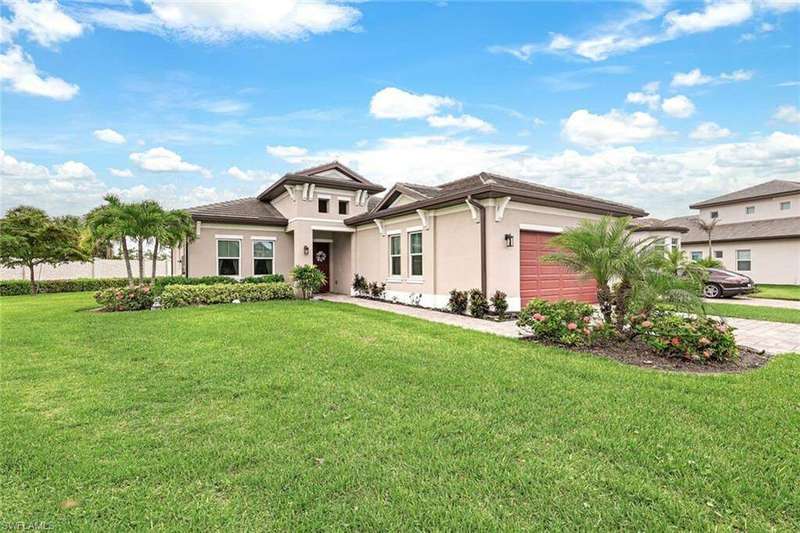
(653, 103)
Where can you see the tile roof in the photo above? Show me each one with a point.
(656, 224)
(247, 210)
(762, 190)
(776, 228)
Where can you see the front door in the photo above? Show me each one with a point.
(322, 258)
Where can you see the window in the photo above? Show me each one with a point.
(394, 255)
(743, 260)
(322, 205)
(675, 243)
(343, 206)
(415, 252)
(785, 206)
(718, 254)
(714, 214)
(227, 258)
(263, 258)
(749, 210)
(660, 245)
(697, 256)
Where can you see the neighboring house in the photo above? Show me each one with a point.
(484, 231)
(658, 232)
(758, 233)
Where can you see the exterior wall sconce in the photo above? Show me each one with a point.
(305, 250)
(509, 240)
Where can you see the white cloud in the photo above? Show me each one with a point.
(252, 175)
(737, 75)
(121, 173)
(289, 153)
(44, 22)
(708, 131)
(793, 83)
(398, 104)
(162, 160)
(108, 135)
(223, 106)
(787, 113)
(463, 122)
(19, 74)
(216, 22)
(690, 79)
(648, 96)
(715, 15)
(615, 127)
(678, 106)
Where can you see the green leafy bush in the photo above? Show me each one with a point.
(137, 298)
(565, 322)
(499, 304)
(708, 262)
(308, 278)
(268, 278)
(18, 287)
(458, 302)
(689, 337)
(224, 293)
(360, 286)
(478, 304)
(161, 283)
(377, 290)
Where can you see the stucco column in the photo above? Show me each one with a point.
(303, 237)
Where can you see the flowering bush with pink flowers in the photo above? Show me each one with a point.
(697, 338)
(564, 322)
(125, 298)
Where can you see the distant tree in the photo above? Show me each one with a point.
(113, 222)
(708, 227)
(175, 227)
(29, 238)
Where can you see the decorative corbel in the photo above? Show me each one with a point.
(423, 217)
(381, 229)
(364, 197)
(500, 208)
(473, 211)
(198, 227)
(305, 191)
(311, 191)
(290, 190)
(357, 199)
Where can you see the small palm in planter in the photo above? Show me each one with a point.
(308, 278)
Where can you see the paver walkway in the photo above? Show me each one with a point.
(761, 302)
(772, 337)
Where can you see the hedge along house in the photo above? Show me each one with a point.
(484, 231)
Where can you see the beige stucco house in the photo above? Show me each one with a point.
(757, 233)
(484, 231)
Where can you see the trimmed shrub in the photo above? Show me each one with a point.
(268, 278)
(478, 305)
(224, 293)
(499, 304)
(136, 298)
(458, 302)
(377, 290)
(161, 283)
(565, 322)
(695, 338)
(360, 286)
(18, 287)
(308, 278)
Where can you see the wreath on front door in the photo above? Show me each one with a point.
(321, 256)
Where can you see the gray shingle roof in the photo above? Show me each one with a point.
(776, 228)
(762, 190)
(247, 210)
(645, 224)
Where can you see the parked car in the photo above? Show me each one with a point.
(724, 284)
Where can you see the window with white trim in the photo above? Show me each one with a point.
(228, 257)
(263, 258)
(749, 210)
(394, 255)
(785, 206)
(675, 243)
(697, 256)
(714, 214)
(415, 252)
(743, 260)
(718, 254)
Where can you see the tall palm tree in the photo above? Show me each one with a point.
(176, 227)
(112, 222)
(146, 219)
(708, 226)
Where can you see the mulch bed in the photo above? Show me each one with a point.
(637, 353)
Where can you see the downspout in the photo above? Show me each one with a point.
(186, 256)
(482, 214)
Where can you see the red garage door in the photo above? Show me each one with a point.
(548, 281)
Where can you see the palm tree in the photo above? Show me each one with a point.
(112, 222)
(146, 218)
(176, 227)
(708, 226)
(602, 250)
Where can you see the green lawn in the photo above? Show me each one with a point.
(780, 292)
(312, 415)
(754, 312)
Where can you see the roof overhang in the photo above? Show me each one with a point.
(745, 239)
(712, 203)
(680, 229)
(256, 221)
(276, 189)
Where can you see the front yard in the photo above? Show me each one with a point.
(309, 415)
(779, 292)
(754, 312)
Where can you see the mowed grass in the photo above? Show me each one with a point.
(780, 292)
(313, 415)
(754, 312)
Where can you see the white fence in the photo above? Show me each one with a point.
(100, 268)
